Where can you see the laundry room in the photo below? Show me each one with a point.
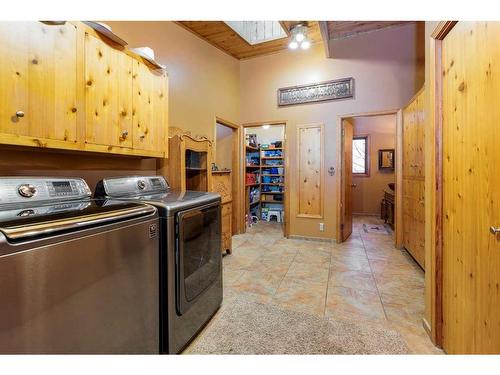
(184, 184)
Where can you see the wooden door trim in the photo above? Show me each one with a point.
(398, 230)
(436, 127)
(235, 168)
(283, 123)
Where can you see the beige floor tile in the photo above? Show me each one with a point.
(301, 295)
(396, 269)
(347, 262)
(308, 272)
(347, 302)
(320, 258)
(260, 283)
(274, 265)
(400, 285)
(353, 279)
(230, 276)
(354, 251)
(237, 262)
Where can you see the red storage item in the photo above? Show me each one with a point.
(251, 178)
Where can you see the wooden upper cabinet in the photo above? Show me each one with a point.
(68, 87)
(150, 108)
(108, 93)
(38, 75)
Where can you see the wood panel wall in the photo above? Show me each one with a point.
(471, 188)
(310, 161)
(414, 178)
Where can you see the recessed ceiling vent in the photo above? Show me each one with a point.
(256, 32)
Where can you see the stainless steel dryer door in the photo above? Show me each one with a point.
(198, 253)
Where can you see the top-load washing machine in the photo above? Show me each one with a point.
(190, 253)
(76, 276)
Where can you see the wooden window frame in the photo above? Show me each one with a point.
(367, 155)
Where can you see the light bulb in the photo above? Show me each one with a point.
(266, 126)
(305, 44)
(293, 45)
(300, 37)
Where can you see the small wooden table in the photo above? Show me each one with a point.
(387, 208)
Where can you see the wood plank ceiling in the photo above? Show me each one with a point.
(220, 35)
(226, 39)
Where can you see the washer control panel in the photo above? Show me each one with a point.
(15, 190)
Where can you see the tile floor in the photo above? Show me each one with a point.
(363, 279)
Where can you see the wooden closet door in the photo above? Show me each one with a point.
(38, 71)
(414, 179)
(471, 188)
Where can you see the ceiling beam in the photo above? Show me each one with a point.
(325, 36)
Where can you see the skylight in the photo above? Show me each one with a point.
(256, 32)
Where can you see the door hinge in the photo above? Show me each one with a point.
(343, 132)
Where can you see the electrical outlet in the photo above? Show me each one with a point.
(321, 227)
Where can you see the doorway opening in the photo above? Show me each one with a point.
(265, 175)
(370, 166)
(227, 165)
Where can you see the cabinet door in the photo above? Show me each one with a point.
(150, 113)
(108, 93)
(38, 75)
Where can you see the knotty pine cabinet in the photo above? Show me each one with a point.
(150, 108)
(68, 87)
(108, 93)
(38, 90)
(222, 184)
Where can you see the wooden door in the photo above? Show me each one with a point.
(150, 114)
(347, 135)
(471, 188)
(108, 93)
(414, 178)
(38, 75)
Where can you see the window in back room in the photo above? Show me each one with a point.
(360, 163)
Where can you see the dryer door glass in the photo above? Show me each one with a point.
(198, 253)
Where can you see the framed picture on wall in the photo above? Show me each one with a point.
(386, 159)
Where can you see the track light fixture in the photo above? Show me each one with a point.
(298, 37)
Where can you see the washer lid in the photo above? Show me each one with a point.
(27, 223)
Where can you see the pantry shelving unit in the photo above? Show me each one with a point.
(265, 181)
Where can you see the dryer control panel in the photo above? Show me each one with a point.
(125, 186)
(18, 190)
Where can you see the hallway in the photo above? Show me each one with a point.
(364, 281)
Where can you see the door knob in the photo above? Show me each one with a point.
(331, 171)
(494, 230)
(19, 114)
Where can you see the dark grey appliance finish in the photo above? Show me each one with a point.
(76, 276)
(191, 260)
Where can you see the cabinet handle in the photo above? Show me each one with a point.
(421, 201)
(353, 185)
(124, 134)
(19, 114)
(494, 230)
(142, 137)
(413, 165)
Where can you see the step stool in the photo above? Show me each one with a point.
(276, 214)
